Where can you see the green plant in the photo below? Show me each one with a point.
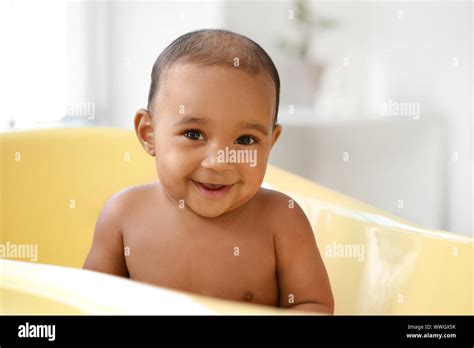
(307, 25)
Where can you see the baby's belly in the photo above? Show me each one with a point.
(247, 278)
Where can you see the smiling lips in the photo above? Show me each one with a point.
(212, 190)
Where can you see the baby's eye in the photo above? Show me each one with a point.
(193, 134)
(246, 140)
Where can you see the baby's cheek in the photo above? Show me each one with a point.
(172, 172)
(253, 178)
(256, 169)
(174, 162)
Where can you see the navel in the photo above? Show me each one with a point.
(248, 296)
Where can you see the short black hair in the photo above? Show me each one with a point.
(208, 47)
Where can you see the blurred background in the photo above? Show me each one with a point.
(377, 97)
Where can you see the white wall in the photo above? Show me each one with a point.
(427, 57)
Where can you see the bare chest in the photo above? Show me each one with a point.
(235, 263)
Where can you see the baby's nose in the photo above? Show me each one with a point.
(217, 159)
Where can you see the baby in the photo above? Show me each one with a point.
(207, 226)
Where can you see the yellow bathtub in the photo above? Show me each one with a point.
(54, 183)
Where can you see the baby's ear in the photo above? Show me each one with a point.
(144, 130)
(276, 133)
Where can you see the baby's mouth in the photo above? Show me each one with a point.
(212, 186)
(209, 190)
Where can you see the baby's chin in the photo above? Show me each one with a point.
(212, 209)
(208, 212)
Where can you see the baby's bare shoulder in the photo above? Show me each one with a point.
(276, 201)
(134, 192)
(123, 202)
(106, 253)
(283, 209)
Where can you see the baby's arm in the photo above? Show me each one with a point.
(302, 278)
(107, 251)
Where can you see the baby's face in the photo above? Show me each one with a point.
(212, 130)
